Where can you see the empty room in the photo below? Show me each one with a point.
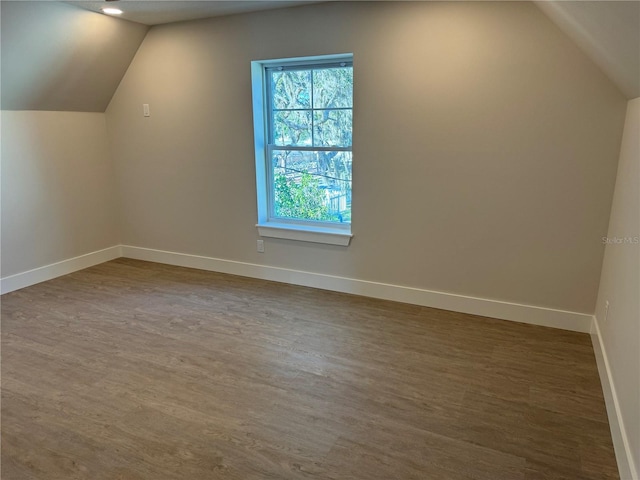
(248, 240)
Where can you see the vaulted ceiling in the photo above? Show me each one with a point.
(65, 56)
(154, 12)
(59, 57)
(607, 31)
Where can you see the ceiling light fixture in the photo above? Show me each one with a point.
(112, 11)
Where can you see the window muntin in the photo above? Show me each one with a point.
(308, 142)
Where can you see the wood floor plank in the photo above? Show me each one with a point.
(134, 370)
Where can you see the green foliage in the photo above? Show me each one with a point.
(312, 107)
(296, 122)
(303, 199)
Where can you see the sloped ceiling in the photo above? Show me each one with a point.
(59, 57)
(56, 56)
(608, 32)
(154, 12)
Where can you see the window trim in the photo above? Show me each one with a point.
(332, 233)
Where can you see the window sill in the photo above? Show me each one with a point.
(328, 236)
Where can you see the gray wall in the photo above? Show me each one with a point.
(485, 146)
(60, 57)
(57, 188)
(620, 284)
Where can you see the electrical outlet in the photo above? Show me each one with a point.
(260, 246)
(606, 310)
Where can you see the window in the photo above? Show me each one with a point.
(303, 116)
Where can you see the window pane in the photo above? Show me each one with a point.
(291, 89)
(292, 128)
(332, 128)
(333, 88)
(312, 185)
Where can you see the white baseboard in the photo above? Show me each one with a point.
(48, 272)
(624, 458)
(547, 317)
(566, 320)
(562, 319)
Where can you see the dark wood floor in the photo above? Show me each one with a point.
(134, 370)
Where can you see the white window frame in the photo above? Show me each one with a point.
(332, 233)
